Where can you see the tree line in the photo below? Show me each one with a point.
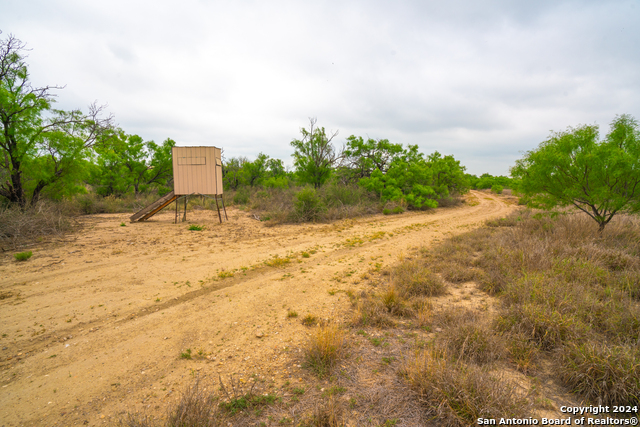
(388, 170)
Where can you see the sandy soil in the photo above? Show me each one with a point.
(94, 326)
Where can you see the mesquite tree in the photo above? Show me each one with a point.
(40, 147)
(574, 168)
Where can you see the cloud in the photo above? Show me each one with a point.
(481, 80)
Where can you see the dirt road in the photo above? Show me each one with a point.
(96, 326)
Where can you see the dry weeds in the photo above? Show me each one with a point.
(458, 394)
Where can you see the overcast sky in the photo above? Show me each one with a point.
(482, 80)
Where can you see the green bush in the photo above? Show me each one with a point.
(277, 182)
(23, 256)
(241, 197)
(496, 188)
(393, 211)
(308, 206)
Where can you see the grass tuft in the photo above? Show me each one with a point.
(370, 311)
(473, 342)
(308, 320)
(23, 256)
(413, 278)
(277, 261)
(458, 394)
(324, 348)
(606, 374)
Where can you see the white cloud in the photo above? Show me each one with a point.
(481, 80)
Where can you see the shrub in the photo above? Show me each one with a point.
(46, 218)
(328, 413)
(241, 197)
(394, 303)
(277, 182)
(338, 195)
(195, 227)
(308, 206)
(23, 256)
(496, 188)
(394, 211)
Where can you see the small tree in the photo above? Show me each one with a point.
(574, 168)
(38, 152)
(314, 155)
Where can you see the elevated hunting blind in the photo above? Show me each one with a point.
(196, 170)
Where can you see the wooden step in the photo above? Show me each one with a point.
(153, 208)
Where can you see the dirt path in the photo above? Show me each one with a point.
(95, 327)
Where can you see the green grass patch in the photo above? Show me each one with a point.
(23, 256)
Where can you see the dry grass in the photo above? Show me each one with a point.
(325, 347)
(370, 310)
(234, 403)
(328, 413)
(468, 336)
(458, 394)
(197, 407)
(56, 218)
(523, 353)
(90, 203)
(567, 292)
(609, 375)
(18, 227)
(299, 204)
(414, 278)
